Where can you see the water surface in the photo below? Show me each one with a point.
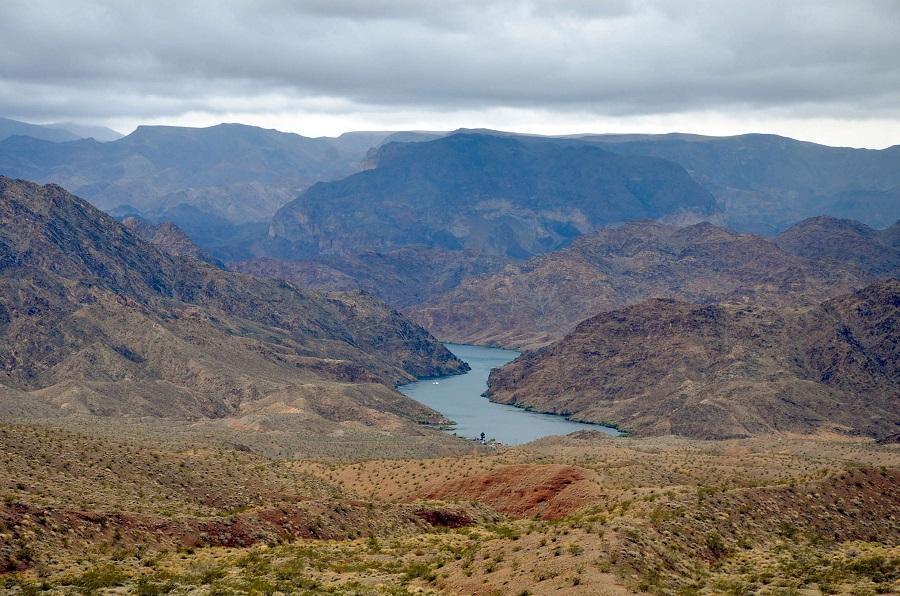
(458, 397)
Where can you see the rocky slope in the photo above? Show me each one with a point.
(169, 238)
(512, 197)
(844, 241)
(529, 304)
(402, 276)
(890, 236)
(96, 320)
(718, 371)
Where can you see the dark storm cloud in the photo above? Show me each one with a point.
(71, 59)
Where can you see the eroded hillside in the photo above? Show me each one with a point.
(97, 321)
(719, 371)
(540, 300)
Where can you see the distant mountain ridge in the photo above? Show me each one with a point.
(11, 128)
(495, 195)
(85, 131)
(56, 132)
(231, 171)
(765, 183)
(224, 185)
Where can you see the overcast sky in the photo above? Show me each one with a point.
(823, 70)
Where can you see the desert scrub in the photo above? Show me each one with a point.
(716, 545)
(504, 531)
(146, 586)
(419, 570)
(860, 567)
(96, 578)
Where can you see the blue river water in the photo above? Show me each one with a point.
(458, 397)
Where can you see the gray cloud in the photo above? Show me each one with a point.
(98, 60)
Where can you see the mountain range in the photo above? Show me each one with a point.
(231, 172)
(496, 195)
(56, 132)
(532, 303)
(762, 183)
(226, 185)
(765, 183)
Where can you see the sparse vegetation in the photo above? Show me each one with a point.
(576, 515)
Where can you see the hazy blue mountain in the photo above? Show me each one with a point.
(500, 195)
(84, 131)
(415, 136)
(765, 183)
(226, 239)
(357, 143)
(231, 171)
(10, 128)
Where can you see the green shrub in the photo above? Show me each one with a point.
(716, 545)
(101, 576)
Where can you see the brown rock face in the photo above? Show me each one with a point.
(169, 238)
(531, 304)
(844, 241)
(718, 371)
(95, 319)
(402, 277)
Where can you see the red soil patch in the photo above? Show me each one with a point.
(546, 491)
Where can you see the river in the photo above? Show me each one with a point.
(458, 397)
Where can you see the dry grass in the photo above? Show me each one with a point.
(782, 515)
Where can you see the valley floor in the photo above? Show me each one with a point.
(85, 512)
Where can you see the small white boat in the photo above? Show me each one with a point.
(435, 383)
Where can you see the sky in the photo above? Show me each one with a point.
(821, 70)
